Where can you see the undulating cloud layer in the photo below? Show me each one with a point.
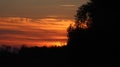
(16, 31)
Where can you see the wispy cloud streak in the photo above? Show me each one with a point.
(68, 5)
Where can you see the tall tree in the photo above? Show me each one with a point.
(96, 27)
(77, 32)
(97, 20)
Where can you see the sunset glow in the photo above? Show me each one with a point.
(39, 32)
(83, 25)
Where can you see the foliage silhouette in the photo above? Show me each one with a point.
(98, 38)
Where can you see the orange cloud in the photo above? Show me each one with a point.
(33, 32)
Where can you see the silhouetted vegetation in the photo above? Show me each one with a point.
(98, 39)
(92, 41)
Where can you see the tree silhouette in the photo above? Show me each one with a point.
(78, 32)
(96, 29)
(96, 20)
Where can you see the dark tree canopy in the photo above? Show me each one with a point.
(96, 22)
(96, 30)
(83, 20)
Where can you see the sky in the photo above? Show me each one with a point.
(36, 22)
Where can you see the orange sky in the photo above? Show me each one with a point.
(36, 22)
(33, 32)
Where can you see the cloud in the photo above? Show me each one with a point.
(8, 31)
(33, 31)
(15, 20)
(68, 5)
